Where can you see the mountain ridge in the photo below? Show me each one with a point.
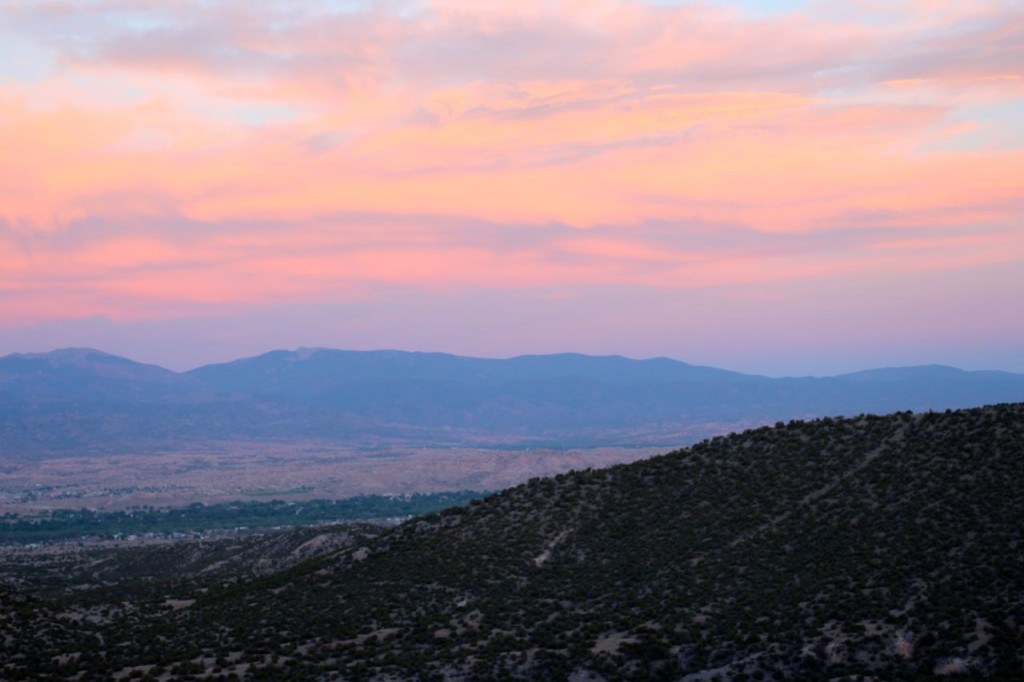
(81, 401)
(79, 372)
(305, 352)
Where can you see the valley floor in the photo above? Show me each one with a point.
(260, 471)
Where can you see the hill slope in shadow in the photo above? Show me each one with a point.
(883, 547)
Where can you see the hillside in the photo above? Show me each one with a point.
(82, 402)
(881, 547)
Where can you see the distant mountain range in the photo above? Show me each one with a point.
(83, 401)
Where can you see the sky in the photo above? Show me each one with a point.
(779, 187)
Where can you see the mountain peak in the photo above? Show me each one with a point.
(66, 356)
(304, 353)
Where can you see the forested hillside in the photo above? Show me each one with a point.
(883, 547)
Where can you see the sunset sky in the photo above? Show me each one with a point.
(776, 187)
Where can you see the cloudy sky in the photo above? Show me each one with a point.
(778, 187)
